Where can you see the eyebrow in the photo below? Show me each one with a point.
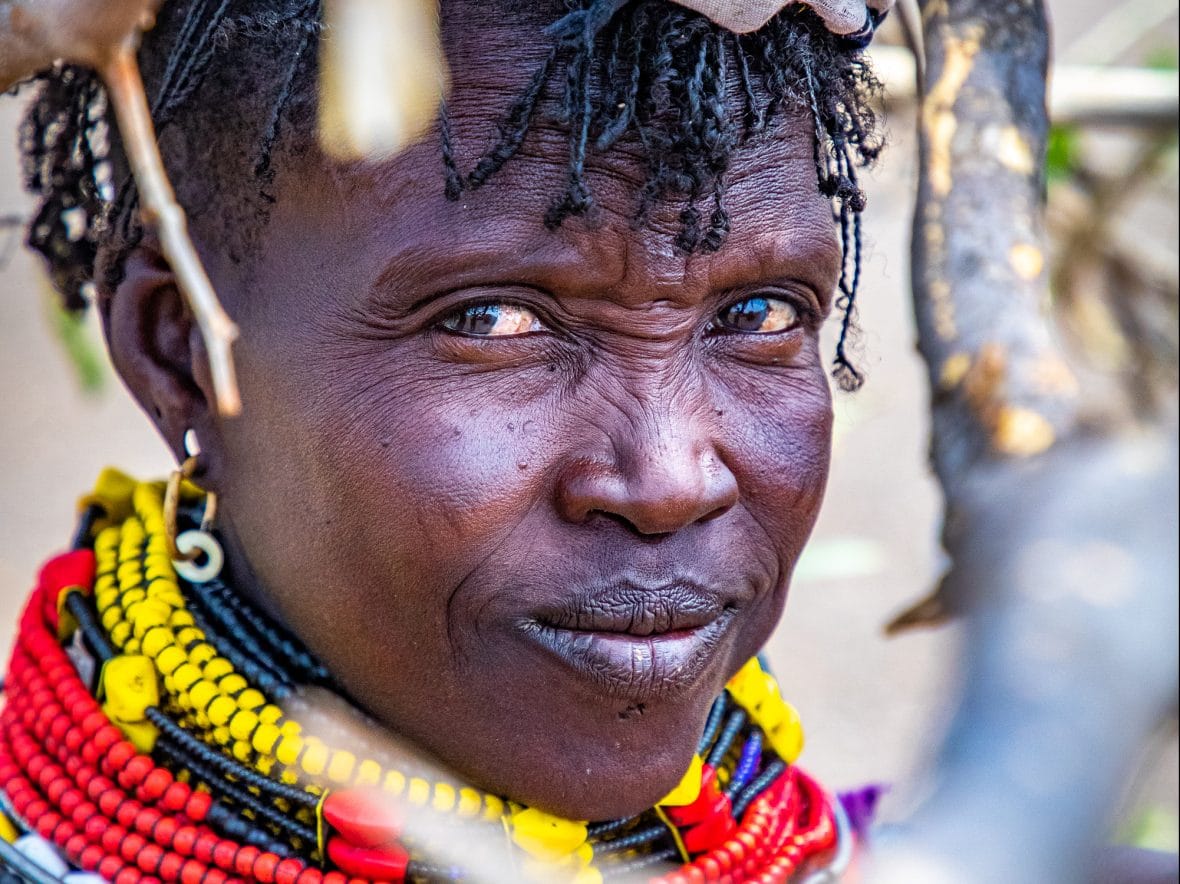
(433, 270)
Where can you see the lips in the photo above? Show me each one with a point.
(633, 641)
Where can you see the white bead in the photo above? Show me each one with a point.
(37, 850)
(205, 543)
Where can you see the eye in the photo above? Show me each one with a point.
(493, 320)
(758, 316)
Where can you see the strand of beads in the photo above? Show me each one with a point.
(143, 610)
(71, 776)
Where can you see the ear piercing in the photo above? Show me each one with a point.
(196, 554)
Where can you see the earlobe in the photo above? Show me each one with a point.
(156, 348)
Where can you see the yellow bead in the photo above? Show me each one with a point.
(155, 640)
(169, 659)
(146, 614)
(252, 699)
(315, 758)
(242, 751)
(744, 686)
(395, 782)
(689, 787)
(217, 668)
(141, 734)
(340, 767)
(493, 808)
(264, 738)
(787, 739)
(202, 654)
(130, 687)
(444, 797)
(469, 802)
(130, 597)
(242, 724)
(186, 635)
(201, 694)
(185, 676)
(8, 831)
(120, 633)
(368, 773)
(545, 836)
(288, 749)
(232, 684)
(220, 710)
(419, 793)
(588, 876)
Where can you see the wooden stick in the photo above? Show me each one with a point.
(160, 210)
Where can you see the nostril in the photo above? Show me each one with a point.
(618, 519)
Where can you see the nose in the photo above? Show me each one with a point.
(659, 478)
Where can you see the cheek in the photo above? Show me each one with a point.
(429, 476)
(777, 440)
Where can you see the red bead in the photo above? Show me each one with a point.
(388, 864)
(135, 771)
(710, 867)
(223, 854)
(185, 840)
(127, 876)
(264, 866)
(363, 818)
(164, 831)
(149, 858)
(175, 798)
(155, 784)
(170, 867)
(91, 857)
(203, 848)
(244, 861)
(192, 872)
(109, 866)
(119, 755)
(710, 833)
(198, 805)
(287, 871)
(132, 844)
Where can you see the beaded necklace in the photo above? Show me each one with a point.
(143, 735)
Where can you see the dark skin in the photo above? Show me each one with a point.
(532, 496)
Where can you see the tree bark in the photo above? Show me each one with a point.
(1061, 526)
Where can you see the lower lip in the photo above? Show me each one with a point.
(630, 667)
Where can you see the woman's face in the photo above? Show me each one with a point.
(532, 496)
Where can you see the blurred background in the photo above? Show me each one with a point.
(873, 707)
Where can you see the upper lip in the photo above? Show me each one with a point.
(637, 609)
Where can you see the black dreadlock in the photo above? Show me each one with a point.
(686, 91)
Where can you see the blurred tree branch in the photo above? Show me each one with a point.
(1061, 515)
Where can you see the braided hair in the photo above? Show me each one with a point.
(687, 92)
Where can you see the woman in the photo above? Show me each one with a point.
(535, 433)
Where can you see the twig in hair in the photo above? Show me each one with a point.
(160, 210)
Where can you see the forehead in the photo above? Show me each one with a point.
(398, 209)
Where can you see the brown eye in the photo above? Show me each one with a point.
(493, 320)
(758, 316)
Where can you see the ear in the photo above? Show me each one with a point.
(157, 349)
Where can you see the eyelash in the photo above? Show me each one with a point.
(805, 316)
